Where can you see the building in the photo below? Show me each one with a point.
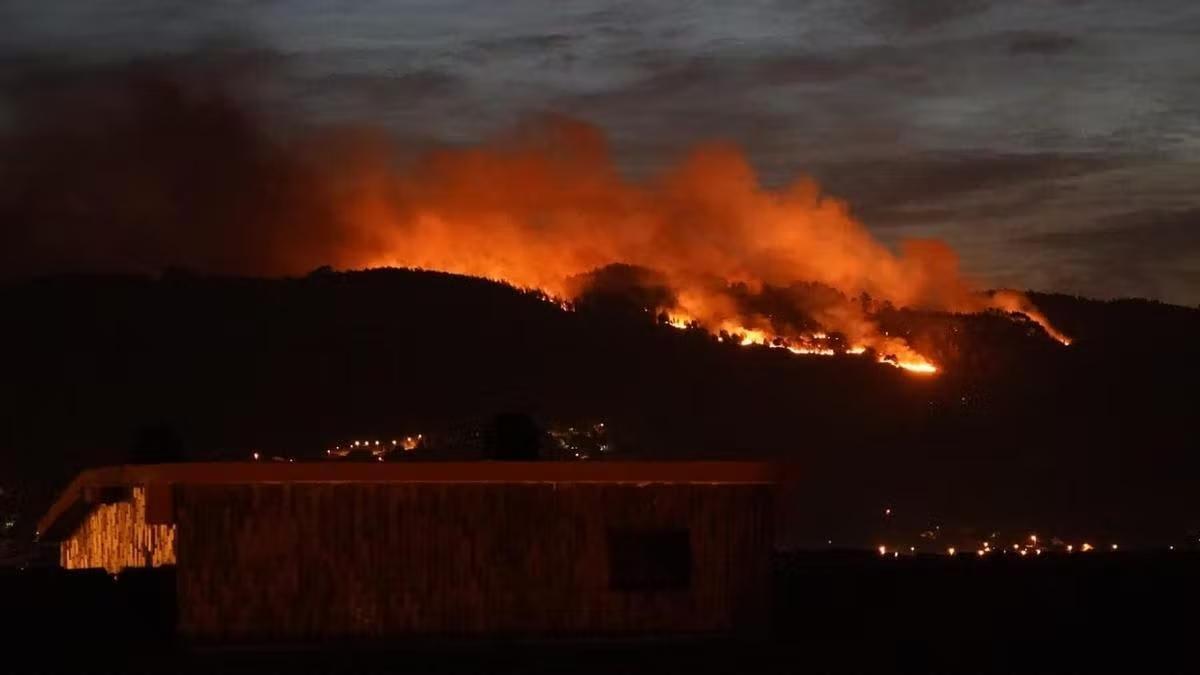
(300, 551)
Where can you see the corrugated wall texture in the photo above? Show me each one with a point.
(303, 561)
(116, 536)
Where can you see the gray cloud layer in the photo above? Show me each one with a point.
(1054, 143)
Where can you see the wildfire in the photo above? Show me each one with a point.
(815, 344)
(545, 208)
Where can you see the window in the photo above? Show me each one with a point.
(649, 560)
(109, 494)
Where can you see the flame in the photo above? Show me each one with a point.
(1016, 303)
(815, 344)
(541, 208)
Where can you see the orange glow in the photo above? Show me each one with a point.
(116, 536)
(898, 356)
(1013, 302)
(546, 205)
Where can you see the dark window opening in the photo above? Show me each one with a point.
(111, 494)
(649, 560)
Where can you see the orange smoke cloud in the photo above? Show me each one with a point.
(143, 167)
(547, 205)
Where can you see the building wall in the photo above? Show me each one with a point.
(115, 536)
(302, 561)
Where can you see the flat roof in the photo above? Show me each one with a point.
(232, 473)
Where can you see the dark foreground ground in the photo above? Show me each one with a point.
(835, 613)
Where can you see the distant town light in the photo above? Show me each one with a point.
(255, 456)
(1115, 547)
(882, 550)
(1023, 551)
(950, 550)
(1086, 547)
(1070, 548)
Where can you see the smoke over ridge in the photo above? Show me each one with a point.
(137, 168)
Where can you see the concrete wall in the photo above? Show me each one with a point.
(302, 561)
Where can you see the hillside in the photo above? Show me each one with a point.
(1017, 431)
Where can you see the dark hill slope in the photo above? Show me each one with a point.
(1018, 430)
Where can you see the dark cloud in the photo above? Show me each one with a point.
(811, 67)
(910, 15)
(681, 93)
(1043, 43)
(523, 44)
(141, 165)
(1153, 253)
(1144, 235)
(666, 77)
(923, 181)
(383, 91)
(235, 63)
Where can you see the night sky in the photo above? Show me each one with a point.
(1055, 145)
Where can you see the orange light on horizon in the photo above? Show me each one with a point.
(541, 212)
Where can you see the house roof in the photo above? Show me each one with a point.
(79, 496)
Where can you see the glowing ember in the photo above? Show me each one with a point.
(816, 344)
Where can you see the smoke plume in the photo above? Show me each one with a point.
(139, 168)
